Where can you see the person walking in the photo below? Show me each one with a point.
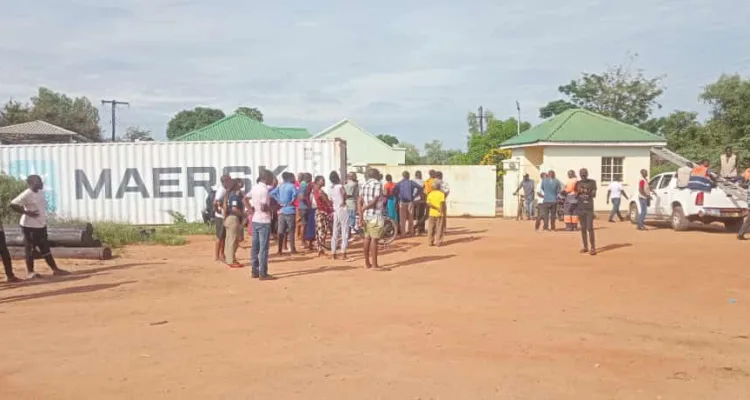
(32, 205)
(550, 190)
(323, 213)
(585, 192)
(352, 193)
(233, 213)
(261, 222)
(527, 184)
(285, 195)
(406, 191)
(370, 209)
(420, 209)
(614, 193)
(644, 200)
(570, 216)
(436, 205)
(340, 228)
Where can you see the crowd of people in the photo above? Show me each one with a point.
(307, 210)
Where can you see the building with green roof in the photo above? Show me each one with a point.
(241, 127)
(609, 149)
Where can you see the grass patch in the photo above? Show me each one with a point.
(118, 234)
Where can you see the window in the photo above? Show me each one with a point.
(612, 169)
(665, 181)
(654, 182)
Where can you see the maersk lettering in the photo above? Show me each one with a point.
(165, 182)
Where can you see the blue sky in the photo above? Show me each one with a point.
(409, 68)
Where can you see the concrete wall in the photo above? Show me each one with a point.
(363, 148)
(472, 186)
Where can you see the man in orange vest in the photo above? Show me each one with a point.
(700, 177)
(570, 216)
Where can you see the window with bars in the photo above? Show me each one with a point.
(612, 169)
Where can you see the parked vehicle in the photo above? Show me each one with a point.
(680, 206)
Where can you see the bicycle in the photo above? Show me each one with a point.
(390, 232)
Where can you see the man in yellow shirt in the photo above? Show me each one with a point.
(436, 207)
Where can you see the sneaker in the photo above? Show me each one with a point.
(34, 275)
(268, 278)
(60, 272)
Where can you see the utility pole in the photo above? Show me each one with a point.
(518, 125)
(114, 104)
(480, 116)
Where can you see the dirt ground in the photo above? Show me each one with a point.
(499, 312)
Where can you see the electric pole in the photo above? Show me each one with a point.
(481, 117)
(518, 125)
(114, 104)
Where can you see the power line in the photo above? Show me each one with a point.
(114, 104)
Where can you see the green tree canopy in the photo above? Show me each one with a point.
(134, 133)
(189, 120)
(619, 92)
(388, 139)
(251, 112)
(75, 114)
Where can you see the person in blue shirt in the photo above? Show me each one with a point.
(551, 188)
(406, 191)
(285, 194)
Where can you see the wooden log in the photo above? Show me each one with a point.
(84, 253)
(58, 237)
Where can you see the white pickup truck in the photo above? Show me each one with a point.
(680, 206)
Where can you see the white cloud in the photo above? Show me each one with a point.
(409, 68)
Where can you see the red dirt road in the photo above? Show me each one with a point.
(500, 312)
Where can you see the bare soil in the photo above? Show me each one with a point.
(499, 312)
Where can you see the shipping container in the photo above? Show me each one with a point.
(472, 187)
(146, 182)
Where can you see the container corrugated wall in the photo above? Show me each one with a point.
(141, 183)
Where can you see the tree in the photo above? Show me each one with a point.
(134, 133)
(74, 114)
(14, 113)
(555, 107)
(189, 120)
(435, 154)
(729, 97)
(619, 92)
(251, 112)
(412, 154)
(388, 139)
(498, 131)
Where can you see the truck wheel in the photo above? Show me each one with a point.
(733, 226)
(633, 213)
(679, 222)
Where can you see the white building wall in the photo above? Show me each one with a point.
(472, 187)
(564, 158)
(363, 148)
(142, 182)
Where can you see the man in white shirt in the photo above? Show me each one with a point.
(260, 200)
(32, 205)
(221, 233)
(728, 164)
(614, 193)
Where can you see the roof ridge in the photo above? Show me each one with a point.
(563, 122)
(196, 131)
(227, 118)
(610, 119)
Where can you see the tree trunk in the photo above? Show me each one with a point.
(58, 237)
(84, 253)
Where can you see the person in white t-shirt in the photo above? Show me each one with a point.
(32, 205)
(614, 193)
(539, 201)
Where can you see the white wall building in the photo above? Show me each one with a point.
(362, 147)
(575, 139)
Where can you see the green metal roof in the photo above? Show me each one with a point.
(234, 127)
(296, 133)
(582, 126)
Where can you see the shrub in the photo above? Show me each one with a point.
(10, 187)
